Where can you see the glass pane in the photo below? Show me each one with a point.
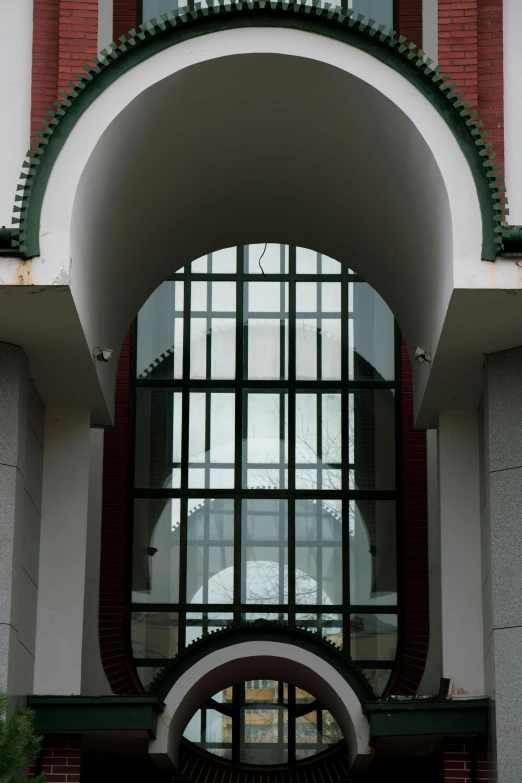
(223, 348)
(159, 349)
(147, 674)
(200, 624)
(372, 439)
(318, 441)
(199, 328)
(373, 637)
(378, 679)
(329, 266)
(380, 10)
(318, 555)
(157, 438)
(224, 261)
(265, 451)
(217, 734)
(373, 560)
(210, 552)
(330, 626)
(251, 617)
(270, 259)
(211, 440)
(373, 336)
(306, 349)
(155, 562)
(305, 261)
(263, 735)
(264, 555)
(266, 330)
(154, 634)
(331, 731)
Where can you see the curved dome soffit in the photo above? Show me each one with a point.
(182, 24)
(260, 649)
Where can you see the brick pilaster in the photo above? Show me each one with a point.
(78, 38)
(409, 20)
(60, 758)
(125, 16)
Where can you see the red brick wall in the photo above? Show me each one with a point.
(44, 88)
(471, 52)
(415, 622)
(114, 576)
(60, 758)
(409, 20)
(459, 760)
(125, 16)
(78, 37)
(65, 37)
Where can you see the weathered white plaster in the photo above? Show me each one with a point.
(433, 671)
(430, 28)
(94, 679)
(513, 107)
(16, 38)
(63, 552)
(259, 659)
(460, 552)
(105, 12)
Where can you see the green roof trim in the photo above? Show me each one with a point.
(426, 717)
(329, 20)
(96, 713)
(266, 631)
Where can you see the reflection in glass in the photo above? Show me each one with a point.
(318, 554)
(318, 441)
(155, 563)
(202, 623)
(269, 259)
(265, 451)
(154, 634)
(373, 560)
(210, 553)
(159, 348)
(373, 637)
(211, 440)
(253, 434)
(158, 438)
(264, 544)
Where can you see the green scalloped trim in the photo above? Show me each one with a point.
(326, 19)
(266, 630)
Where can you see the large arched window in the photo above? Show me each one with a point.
(265, 459)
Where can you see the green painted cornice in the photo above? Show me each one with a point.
(266, 631)
(9, 241)
(96, 713)
(185, 23)
(426, 717)
(512, 240)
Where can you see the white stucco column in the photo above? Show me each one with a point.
(63, 551)
(16, 39)
(513, 107)
(460, 552)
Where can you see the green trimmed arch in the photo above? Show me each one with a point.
(185, 23)
(264, 631)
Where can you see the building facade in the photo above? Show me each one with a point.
(260, 360)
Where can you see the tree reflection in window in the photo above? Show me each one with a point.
(265, 486)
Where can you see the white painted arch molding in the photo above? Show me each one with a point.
(253, 660)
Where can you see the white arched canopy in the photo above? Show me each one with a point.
(250, 135)
(255, 660)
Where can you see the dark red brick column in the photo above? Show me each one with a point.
(125, 16)
(44, 86)
(459, 759)
(60, 758)
(116, 515)
(471, 52)
(409, 20)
